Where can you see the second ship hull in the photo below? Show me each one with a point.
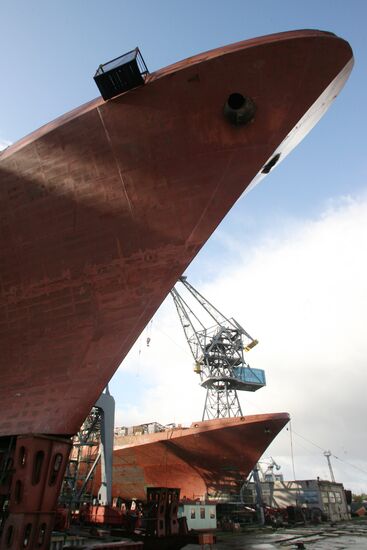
(206, 461)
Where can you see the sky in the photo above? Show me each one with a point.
(289, 260)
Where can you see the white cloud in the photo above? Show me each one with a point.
(303, 294)
(4, 143)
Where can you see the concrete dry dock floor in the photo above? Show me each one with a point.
(344, 535)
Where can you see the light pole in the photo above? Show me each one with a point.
(328, 455)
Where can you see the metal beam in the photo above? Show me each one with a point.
(106, 404)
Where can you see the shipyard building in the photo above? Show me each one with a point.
(315, 495)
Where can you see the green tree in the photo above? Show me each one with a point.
(359, 498)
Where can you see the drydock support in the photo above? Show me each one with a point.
(96, 431)
(106, 404)
(31, 473)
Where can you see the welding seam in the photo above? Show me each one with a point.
(116, 162)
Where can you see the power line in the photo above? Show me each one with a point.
(332, 454)
(309, 441)
(350, 464)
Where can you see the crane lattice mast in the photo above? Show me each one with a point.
(218, 351)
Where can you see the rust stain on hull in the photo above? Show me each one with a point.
(103, 209)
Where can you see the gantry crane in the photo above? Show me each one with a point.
(218, 351)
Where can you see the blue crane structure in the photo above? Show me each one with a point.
(218, 349)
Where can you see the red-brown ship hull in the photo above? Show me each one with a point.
(103, 209)
(208, 460)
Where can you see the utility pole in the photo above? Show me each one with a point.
(259, 496)
(327, 454)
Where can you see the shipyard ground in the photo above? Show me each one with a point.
(343, 535)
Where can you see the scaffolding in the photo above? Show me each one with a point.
(78, 485)
(92, 445)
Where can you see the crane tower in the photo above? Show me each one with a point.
(218, 349)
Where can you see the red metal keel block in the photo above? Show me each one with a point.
(162, 508)
(39, 465)
(28, 531)
(37, 470)
(173, 497)
(157, 509)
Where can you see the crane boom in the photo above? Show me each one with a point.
(185, 314)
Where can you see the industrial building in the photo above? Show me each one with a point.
(314, 494)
